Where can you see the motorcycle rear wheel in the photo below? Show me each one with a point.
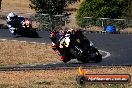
(98, 57)
(33, 34)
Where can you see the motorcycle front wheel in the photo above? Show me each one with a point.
(82, 58)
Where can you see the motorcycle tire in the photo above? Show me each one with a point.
(79, 57)
(33, 34)
(84, 60)
(98, 57)
(72, 51)
(66, 56)
(65, 60)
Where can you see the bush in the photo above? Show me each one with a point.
(49, 22)
(103, 9)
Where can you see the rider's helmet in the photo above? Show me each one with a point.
(10, 16)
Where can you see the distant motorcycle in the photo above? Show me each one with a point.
(23, 27)
(79, 49)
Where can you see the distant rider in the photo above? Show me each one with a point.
(12, 19)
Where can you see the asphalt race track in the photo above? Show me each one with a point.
(118, 45)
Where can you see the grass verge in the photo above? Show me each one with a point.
(16, 53)
(58, 78)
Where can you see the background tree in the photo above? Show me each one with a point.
(52, 7)
(129, 13)
(103, 8)
(48, 6)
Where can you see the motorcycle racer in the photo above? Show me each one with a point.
(56, 46)
(11, 20)
(20, 26)
(57, 39)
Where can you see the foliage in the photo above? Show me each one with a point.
(103, 8)
(52, 7)
(48, 6)
(49, 22)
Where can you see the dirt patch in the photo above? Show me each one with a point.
(126, 30)
(12, 53)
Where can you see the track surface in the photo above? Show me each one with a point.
(118, 45)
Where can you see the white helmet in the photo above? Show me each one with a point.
(11, 14)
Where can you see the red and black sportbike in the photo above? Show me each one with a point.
(73, 47)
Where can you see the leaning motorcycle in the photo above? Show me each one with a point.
(23, 27)
(79, 49)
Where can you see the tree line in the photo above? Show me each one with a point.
(91, 8)
(88, 8)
